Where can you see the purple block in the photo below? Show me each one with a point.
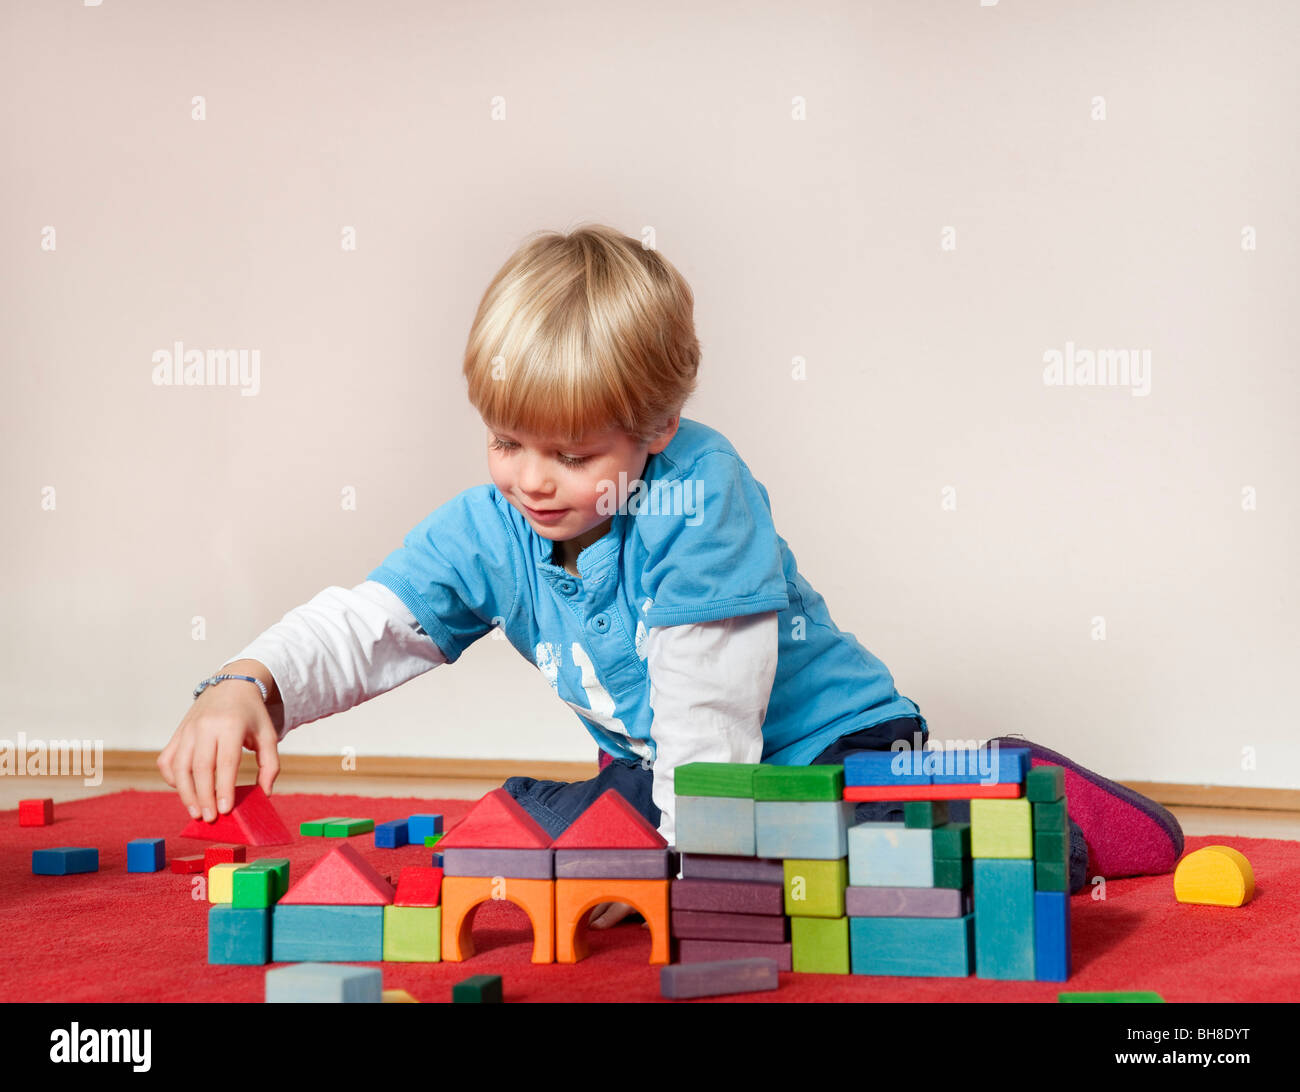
(728, 897)
(702, 925)
(683, 980)
(519, 864)
(906, 902)
(697, 866)
(710, 951)
(611, 864)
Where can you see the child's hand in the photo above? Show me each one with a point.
(609, 913)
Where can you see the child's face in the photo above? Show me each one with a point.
(563, 490)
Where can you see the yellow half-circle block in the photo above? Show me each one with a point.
(1214, 876)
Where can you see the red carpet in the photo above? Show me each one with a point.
(117, 936)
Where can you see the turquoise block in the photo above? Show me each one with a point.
(890, 855)
(912, 947)
(319, 983)
(1004, 918)
(715, 824)
(239, 935)
(327, 934)
(807, 829)
(1051, 936)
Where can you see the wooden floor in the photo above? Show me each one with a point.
(1246, 823)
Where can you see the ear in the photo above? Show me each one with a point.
(665, 437)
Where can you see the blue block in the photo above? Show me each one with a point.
(420, 827)
(319, 983)
(885, 768)
(722, 825)
(327, 934)
(890, 855)
(437, 860)
(812, 830)
(1051, 936)
(145, 855)
(912, 947)
(240, 935)
(64, 861)
(391, 835)
(981, 766)
(1004, 919)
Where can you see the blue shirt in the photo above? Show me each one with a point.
(697, 544)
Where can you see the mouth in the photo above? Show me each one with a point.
(545, 513)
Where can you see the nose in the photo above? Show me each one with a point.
(534, 475)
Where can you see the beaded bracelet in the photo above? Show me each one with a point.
(218, 678)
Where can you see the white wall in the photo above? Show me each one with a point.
(817, 238)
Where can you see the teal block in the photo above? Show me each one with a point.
(327, 934)
(812, 830)
(1043, 784)
(890, 855)
(1004, 918)
(925, 813)
(715, 824)
(239, 935)
(319, 983)
(913, 947)
(1051, 936)
(951, 841)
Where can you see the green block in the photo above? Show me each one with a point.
(953, 873)
(951, 841)
(1051, 876)
(798, 783)
(1043, 784)
(1051, 816)
(1051, 845)
(820, 945)
(431, 840)
(279, 867)
(345, 828)
(315, 828)
(716, 779)
(815, 889)
(412, 934)
(925, 814)
(1001, 829)
(1114, 997)
(482, 989)
(253, 888)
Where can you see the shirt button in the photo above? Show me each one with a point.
(600, 622)
(567, 587)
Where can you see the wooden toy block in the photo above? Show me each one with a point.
(431, 840)
(419, 827)
(398, 997)
(412, 934)
(735, 779)
(710, 951)
(64, 861)
(815, 889)
(279, 869)
(925, 814)
(913, 947)
(215, 855)
(462, 895)
(341, 878)
(1051, 845)
(626, 864)
(861, 793)
(35, 813)
(1051, 816)
(728, 897)
(703, 925)
(481, 989)
(145, 855)
(437, 861)
(1131, 997)
(610, 823)
(682, 981)
(187, 865)
(907, 902)
(253, 821)
(720, 825)
(821, 945)
(523, 864)
(239, 935)
(1051, 936)
(799, 783)
(884, 769)
(983, 766)
(808, 830)
(221, 883)
(1051, 876)
(497, 821)
(699, 866)
(315, 828)
(319, 983)
(1214, 876)
(573, 898)
(1004, 918)
(252, 888)
(346, 828)
(953, 873)
(951, 842)
(419, 885)
(1001, 828)
(890, 855)
(391, 835)
(327, 934)
(1043, 784)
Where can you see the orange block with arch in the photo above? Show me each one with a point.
(573, 898)
(1214, 876)
(463, 895)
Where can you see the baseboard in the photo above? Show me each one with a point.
(1218, 796)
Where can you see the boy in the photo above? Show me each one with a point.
(627, 552)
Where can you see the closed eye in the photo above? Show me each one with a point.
(568, 460)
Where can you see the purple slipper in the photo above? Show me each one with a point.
(1127, 833)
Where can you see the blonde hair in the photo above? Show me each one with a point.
(580, 333)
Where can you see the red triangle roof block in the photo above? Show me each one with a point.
(496, 822)
(253, 821)
(341, 878)
(610, 823)
(418, 885)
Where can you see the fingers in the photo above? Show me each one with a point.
(609, 913)
(184, 778)
(165, 759)
(268, 756)
(228, 752)
(204, 766)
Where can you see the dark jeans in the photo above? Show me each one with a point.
(556, 804)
